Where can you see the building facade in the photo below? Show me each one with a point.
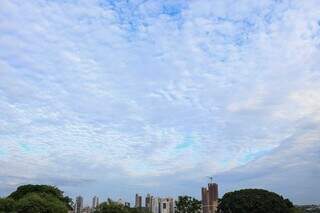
(167, 205)
(95, 202)
(78, 205)
(155, 205)
(138, 201)
(149, 202)
(209, 199)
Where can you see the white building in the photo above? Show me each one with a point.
(155, 205)
(95, 202)
(78, 205)
(167, 205)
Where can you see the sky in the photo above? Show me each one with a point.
(114, 97)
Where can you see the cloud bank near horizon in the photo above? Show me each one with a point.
(146, 95)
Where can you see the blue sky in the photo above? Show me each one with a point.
(118, 97)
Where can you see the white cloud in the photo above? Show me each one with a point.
(152, 89)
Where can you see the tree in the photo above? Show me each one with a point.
(50, 190)
(254, 201)
(111, 207)
(36, 199)
(40, 203)
(186, 204)
(139, 210)
(7, 205)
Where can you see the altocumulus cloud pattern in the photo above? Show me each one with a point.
(114, 97)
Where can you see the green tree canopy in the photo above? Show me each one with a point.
(139, 210)
(36, 199)
(111, 207)
(6, 205)
(40, 203)
(254, 201)
(50, 190)
(186, 204)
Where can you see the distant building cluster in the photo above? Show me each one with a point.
(78, 206)
(209, 201)
(156, 204)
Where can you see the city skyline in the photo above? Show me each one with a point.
(115, 97)
(154, 204)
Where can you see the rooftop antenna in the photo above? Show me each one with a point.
(210, 178)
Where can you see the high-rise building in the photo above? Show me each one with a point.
(95, 202)
(155, 205)
(78, 205)
(210, 198)
(167, 205)
(204, 200)
(149, 202)
(138, 201)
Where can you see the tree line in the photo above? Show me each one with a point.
(50, 199)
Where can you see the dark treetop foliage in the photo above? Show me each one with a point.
(254, 201)
(36, 199)
(107, 207)
(114, 207)
(186, 204)
(6, 205)
(139, 210)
